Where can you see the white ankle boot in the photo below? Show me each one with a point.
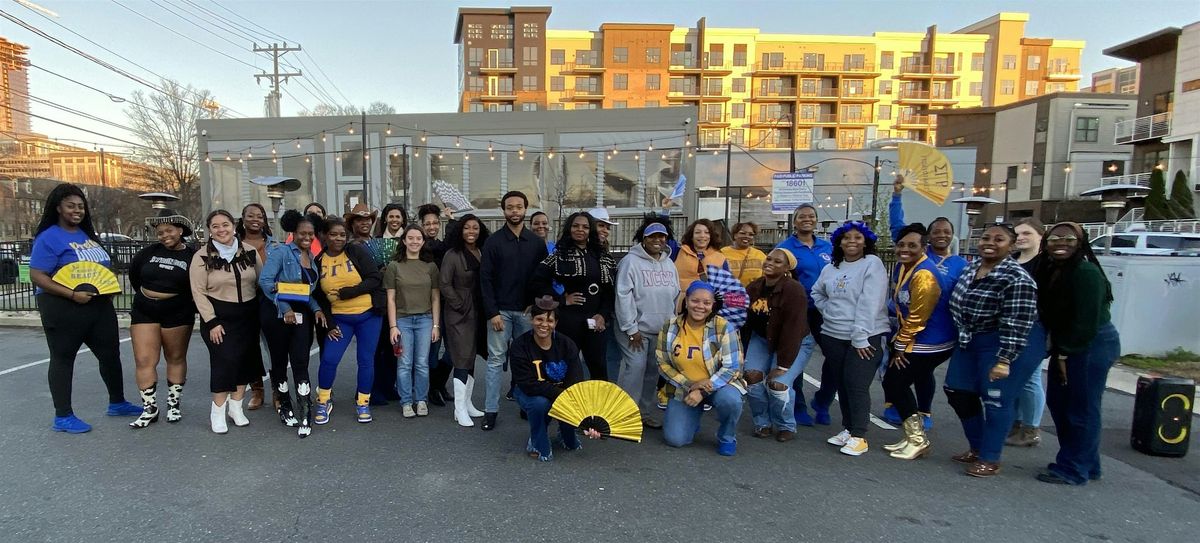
(469, 391)
(235, 412)
(217, 417)
(460, 404)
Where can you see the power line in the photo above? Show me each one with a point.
(252, 23)
(69, 125)
(184, 36)
(327, 78)
(69, 109)
(18, 137)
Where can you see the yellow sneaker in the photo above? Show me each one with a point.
(855, 446)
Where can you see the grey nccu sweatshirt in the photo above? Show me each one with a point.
(852, 299)
(646, 291)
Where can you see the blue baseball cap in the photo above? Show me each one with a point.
(654, 228)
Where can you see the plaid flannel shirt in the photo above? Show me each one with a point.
(1004, 300)
(722, 357)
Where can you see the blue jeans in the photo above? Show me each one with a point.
(363, 326)
(807, 346)
(985, 407)
(1075, 406)
(413, 376)
(538, 409)
(515, 324)
(681, 423)
(1032, 402)
(768, 406)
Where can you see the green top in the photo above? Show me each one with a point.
(414, 282)
(1088, 305)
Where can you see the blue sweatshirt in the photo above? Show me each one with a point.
(809, 260)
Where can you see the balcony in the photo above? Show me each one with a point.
(917, 121)
(782, 94)
(782, 120)
(851, 143)
(583, 95)
(853, 94)
(910, 70)
(1062, 72)
(1143, 128)
(822, 68)
(497, 67)
(819, 118)
(498, 95)
(714, 119)
(1139, 179)
(581, 68)
(924, 96)
(679, 66)
(685, 94)
(855, 119)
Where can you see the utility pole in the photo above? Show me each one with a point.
(875, 192)
(728, 167)
(275, 76)
(103, 179)
(366, 162)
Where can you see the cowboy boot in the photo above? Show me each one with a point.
(918, 444)
(283, 399)
(149, 407)
(174, 394)
(256, 396)
(304, 409)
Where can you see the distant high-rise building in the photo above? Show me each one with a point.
(756, 89)
(1115, 80)
(14, 88)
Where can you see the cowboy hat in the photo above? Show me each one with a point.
(361, 211)
(168, 216)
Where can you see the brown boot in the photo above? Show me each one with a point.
(256, 396)
(983, 469)
(1028, 436)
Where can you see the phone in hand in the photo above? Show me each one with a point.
(299, 318)
(591, 324)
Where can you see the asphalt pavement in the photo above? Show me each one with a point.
(426, 479)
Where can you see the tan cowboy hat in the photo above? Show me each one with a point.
(361, 211)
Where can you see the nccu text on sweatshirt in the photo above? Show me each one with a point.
(852, 298)
(646, 291)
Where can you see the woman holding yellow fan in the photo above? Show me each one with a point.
(76, 308)
(544, 364)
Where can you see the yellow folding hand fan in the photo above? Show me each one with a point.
(88, 277)
(601, 406)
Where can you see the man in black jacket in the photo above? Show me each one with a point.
(508, 260)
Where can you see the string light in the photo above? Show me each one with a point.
(440, 155)
(272, 148)
(637, 156)
(307, 159)
(520, 152)
(614, 150)
(984, 170)
(651, 147)
(416, 152)
(687, 142)
(274, 160)
(351, 128)
(489, 146)
(466, 157)
(1067, 168)
(581, 152)
(550, 155)
(227, 157)
(422, 136)
(457, 141)
(1024, 168)
(389, 131)
(249, 154)
(297, 144)
(491, 155)
(322, 136)
(1112, 167)
(664, 156)
(1158, 166)
(206, 158)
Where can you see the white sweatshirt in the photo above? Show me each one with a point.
(852, 299)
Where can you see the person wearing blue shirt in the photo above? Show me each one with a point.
(812, 254)
(74, 317)
(940, 252)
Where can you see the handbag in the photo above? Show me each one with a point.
(293, 292)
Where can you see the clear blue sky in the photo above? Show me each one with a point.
(401, 52)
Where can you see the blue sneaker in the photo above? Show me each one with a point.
(891, 416)
(822, 416)
(323, 411)
(123, 409)
(727, 448)
(364, 413)
(71, 425)
(928, 421)
(803, 418)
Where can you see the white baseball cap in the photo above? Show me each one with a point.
(601, 214)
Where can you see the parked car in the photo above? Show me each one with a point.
(1150, 243)
(109, 237)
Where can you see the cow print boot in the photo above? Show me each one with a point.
(287, 415)
(174, 393)
(149, 407)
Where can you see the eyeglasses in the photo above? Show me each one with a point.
(1067, 238)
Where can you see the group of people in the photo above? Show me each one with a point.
(554, 312)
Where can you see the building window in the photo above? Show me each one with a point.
(558, 57)
(588, 85)
(739, 84)
(529, 106)
(739, 54)
(653, 81)
(1007, 87)
(504, 86)
(557, 83)
(737, 136)
(811, 60)
(712, 86)
(529, 30)
(885, 113)
(977, 62)
(620, 55)
(620, 81)
(716, 54)
(502, 32)
(885, 87)
(587, 58)
(737, 111)
(529, 82)
(1033, 62)
(1031, 88)
(887, 60)
(475, 83)
(1055, 87)
(1010, 178)
(474, 57)
(1087, 129)
(773, 60)
(854, 62)
(499, 107)
(474, 31)
(653, 55)
(976, 88)
(530, 57)
(555, 107)
(1010, 62)
(620, 104)
(651, 103)
(1164, 102)
(475, 107)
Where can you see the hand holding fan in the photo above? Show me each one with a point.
(600, 406)
(452, 197)
(382, 250)
(88, 277)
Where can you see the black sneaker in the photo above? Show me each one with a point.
(489, 422)
(509, 396)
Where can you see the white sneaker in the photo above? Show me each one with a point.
(422, 409)
(839, 440)
(855, 446)
(408, 411)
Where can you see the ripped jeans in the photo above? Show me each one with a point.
(985, 407)
(768, 406)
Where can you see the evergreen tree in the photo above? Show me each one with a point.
(1157, 207)
(1181, 197)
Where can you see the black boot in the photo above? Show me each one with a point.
(435, 397)
(437, 381)
(304, 409)
(287, 415)
(489, 422)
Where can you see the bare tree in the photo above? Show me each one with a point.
(165, 124)
(333, 110)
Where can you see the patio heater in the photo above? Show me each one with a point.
(158, 200)
(975, 206)
(1113, 199)
(277, 187)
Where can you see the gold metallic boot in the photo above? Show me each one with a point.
(918, 444)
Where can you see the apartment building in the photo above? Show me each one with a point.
(1118, 80)
(758, 89)
(14, 88)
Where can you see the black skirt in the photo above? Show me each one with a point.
(237, 359)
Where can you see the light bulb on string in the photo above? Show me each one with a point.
(249, 154)
(637, 156)
(422, 136)
(322, 136)
(466, 157)
(206, 158)
(491, 156)
(1024, 168)
(389, 130)
(489, 146)
(651, 147)
(984, 170)
(351, 128)
(715, 152)
(274, 160)
(521, 152)
(416, 152)
(440, 155)
(272, 148)
(240, 160)
(663, 156)
(227, 157)
(614, 150)
(457, 141)
(307, 159)
(687, 142)
(550, 155)
(581, 152)
(297, 144)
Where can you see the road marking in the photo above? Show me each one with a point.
(43, 361)
(874, 420)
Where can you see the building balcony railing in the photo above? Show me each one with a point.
(775, 94)
(851, 143)
(490, 96)
(684, 94)
(1143, 128)
(1139, 179)
(912, 68)
(779, 143)
(857, 94)
(581, 68)
(498, 67)
(922, 120)
(794, 67)
(1062, 72)
(679, 66)
(925, 96)
(713, 118)
(819, 118)
(583, 94)
(855, 119)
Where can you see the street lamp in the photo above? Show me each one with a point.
(158, 200)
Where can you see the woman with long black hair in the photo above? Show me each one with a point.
(393, 220)
(466, 337)
(588, 276)
(1073, 301)
(71, 318)
(224, 276)
(163, 313)
(254, 230)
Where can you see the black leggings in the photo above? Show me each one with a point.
(853, 377)
(898, 383)
(69, 325)
(288, 342)
(592, 344)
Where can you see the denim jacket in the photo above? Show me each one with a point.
(283, 265)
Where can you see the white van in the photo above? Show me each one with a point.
(1150, 243)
